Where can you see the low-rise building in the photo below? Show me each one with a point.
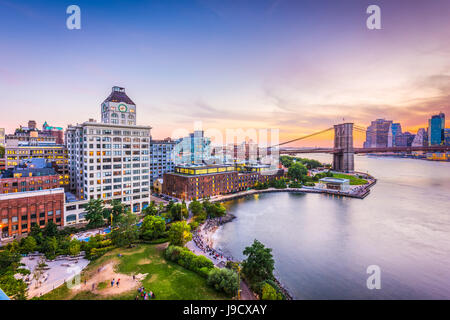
(203, 181)
(21, 210)
(158, 185)
(335, 183)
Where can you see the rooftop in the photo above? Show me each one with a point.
(334, 180)
(118, 95)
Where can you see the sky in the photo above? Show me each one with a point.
(296, 66)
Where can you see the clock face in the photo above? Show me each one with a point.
(122, 108)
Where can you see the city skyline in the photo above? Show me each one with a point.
(230, 65)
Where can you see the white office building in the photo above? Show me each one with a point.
(110, 161)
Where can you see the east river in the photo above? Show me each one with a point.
(322, 245)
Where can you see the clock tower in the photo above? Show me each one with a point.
(118, 108)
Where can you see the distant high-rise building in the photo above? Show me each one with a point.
(420, 139)
(57, 132)
(161, 158)
(436, 126)
(193, 149)
(118, 108)
(447, 137)
(379, 134)
(404, 139)
(396, 130)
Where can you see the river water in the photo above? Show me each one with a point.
(322, 244)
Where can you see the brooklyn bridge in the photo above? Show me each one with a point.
(344, 151)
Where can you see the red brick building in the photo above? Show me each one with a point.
(207, 181)
(19, 211)
(23, 184)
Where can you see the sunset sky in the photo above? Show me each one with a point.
(300, 66)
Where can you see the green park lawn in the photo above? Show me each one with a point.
(353, 180)
(166, 279)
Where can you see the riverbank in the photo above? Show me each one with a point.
(360, 192)
(203, 243)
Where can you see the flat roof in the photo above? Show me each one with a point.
(334, 180)
(26, 194)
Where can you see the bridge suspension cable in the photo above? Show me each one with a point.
(301, 138)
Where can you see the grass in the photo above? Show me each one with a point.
(353, 179)
(167, 280)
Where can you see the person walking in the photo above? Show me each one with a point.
(118, 280)
(112, 282)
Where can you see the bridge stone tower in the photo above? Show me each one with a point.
(343, 156)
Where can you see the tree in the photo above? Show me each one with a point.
(50, 230)
(117, 211)
(152, 227)
(259, 264)
(179, 233)
(176, 212)
(270, 293)
(50, 247)
(9, 266)
(2, 151)
(94, 214)
(127, 231)
(39, 271)
(184, 210)
(225, 280)
(161, 208)
(28, 244)
(36, 233)
(74, 247)
(297, 171)
(151, 209)
(196, 207)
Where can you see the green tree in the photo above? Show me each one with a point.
(176, 212)
(2, 151)
(259, 264)
(28, 245)
(297, 171)
(179, 233)
(152, 227)
(270, 293)
(94, 213)
(151, 209)
(196, 207)
(184, 210)
(225, 280)
(116, 210)
(36, 233)
(50, 247)
(9, 266)
(161, 207)
(74, 247)
(50, 230)
(127, 231)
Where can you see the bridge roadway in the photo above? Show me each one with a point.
(366, 150)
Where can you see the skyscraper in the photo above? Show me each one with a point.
(396, 130)
(420, 139)
(436, 126)
(193, 149)
(379, 134)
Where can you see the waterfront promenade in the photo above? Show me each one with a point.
(359, 192)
